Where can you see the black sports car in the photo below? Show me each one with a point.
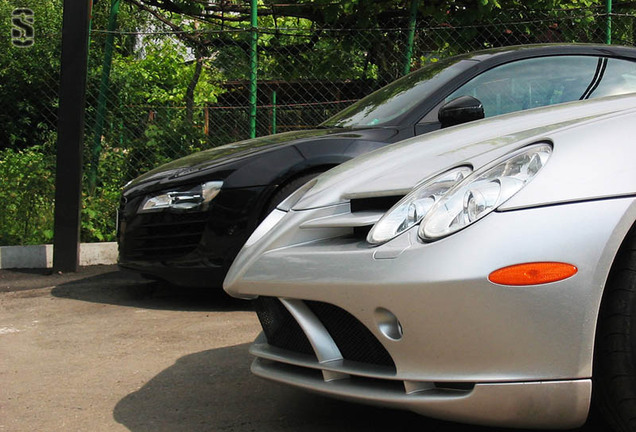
(185, 221)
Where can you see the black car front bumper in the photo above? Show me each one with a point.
(193, 248)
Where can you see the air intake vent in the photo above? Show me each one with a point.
(354, 340)
(164, 235)
(280, 328)
(374, 204)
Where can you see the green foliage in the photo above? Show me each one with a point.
(27, 194)
(99, 209)
(160, 77)
(163, 142)
(29, 76)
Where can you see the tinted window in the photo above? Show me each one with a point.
(545, 81)
(389, 103)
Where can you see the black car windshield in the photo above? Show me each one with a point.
(387, 104)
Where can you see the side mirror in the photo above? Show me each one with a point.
(460, 110)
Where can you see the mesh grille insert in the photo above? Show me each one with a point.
(164, 235)
(354, 340)
(280, 328)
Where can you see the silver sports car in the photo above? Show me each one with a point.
(483, 274)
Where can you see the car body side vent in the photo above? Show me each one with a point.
(374, 203)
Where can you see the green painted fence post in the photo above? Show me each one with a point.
(102, 97)
(411, 38)
(253, 66)
(608, 29)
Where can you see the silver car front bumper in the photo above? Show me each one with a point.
(463, 348)
(535, 404)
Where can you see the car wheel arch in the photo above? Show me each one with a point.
(614, 368)
(284, 182)
(287, 180)
(622, 230)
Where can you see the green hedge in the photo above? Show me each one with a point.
(28, 197)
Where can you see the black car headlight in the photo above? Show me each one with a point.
(195, 198)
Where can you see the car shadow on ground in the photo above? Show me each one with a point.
(128, 289)
(213, 390)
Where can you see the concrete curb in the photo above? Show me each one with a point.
(41, 256)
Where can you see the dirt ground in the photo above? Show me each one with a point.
(104, 350)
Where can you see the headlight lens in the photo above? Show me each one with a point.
(197, 198)
(483, 191)
(410, 210)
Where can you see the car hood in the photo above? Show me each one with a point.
(225, 155)
(394, 170)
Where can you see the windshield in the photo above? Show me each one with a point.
(390, 102)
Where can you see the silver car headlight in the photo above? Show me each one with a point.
(195, 198)
(411, 209)
(483, 191)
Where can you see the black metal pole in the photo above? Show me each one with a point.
(70, 135)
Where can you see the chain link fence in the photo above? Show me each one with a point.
(166, 97)
(29, 80)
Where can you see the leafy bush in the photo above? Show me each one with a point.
(27, 193)
(99, 208)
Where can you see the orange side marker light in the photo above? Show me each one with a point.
(536, 273)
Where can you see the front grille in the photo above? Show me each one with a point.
(163, 235)
(280, 328)
(354, 340)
